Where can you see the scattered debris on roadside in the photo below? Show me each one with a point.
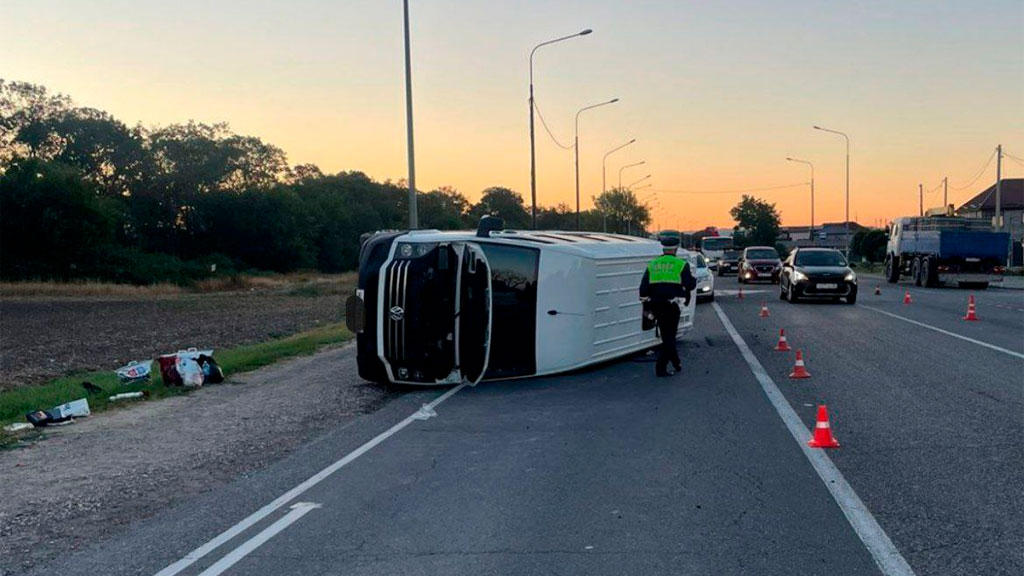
(190, 368)
(128, 396)
(135, 371)
(65, 413)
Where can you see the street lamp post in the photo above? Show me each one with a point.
(630, 187)
(413, 212)
(533, 154)
(604, 162)
(847, 223)
(640, 163)
(812, 193)
(576, 146)
(604, 175)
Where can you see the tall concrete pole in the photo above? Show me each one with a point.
(413, 212)
(999, 187)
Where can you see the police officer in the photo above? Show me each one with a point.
(666, 281)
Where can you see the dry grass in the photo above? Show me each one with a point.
(85, 289)
(298, 283)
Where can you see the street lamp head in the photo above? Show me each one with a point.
(585, 32)
(788, 158)
(613, 100)
(818, 128)
(633, 140)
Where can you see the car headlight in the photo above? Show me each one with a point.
(851, 277)
(799, 276)
(414, 250)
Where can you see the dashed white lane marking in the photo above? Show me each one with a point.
(231, 558)
(295, 492)
(946, 332)
(883, 551)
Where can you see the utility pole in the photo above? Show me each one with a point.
(920, 199)
(413, 212)
(999, 187)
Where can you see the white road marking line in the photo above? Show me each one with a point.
(884, 552)
(295, 492)
(298, 511)
(946, 332)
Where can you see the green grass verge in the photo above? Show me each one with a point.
(15, 403)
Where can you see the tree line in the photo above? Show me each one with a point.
(83, 195)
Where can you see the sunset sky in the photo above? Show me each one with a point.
(716, 93)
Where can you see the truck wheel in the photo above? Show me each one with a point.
(892, 270)
(927, 273)
(915, 271)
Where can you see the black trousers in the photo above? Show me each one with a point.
(666, 313)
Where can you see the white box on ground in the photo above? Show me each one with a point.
(75, 408)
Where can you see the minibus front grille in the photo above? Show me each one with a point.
(395, 291)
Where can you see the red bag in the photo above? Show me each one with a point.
(169, 370)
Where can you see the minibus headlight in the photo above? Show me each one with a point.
(414, 249)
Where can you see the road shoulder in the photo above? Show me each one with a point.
(88, 481)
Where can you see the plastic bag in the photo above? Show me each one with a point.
(135, 371)
(189, 370)
(212, 374)
(172, 375)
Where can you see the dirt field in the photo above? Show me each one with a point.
(48, 331)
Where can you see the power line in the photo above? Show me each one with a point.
(1014, 158)
(978, 175)
(934, 189)
(738, 191)
(548, 130)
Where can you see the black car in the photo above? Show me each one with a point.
(817, 273)
(729, 263)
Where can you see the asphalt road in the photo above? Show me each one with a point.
(611, 471)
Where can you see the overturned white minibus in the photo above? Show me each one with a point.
(437, 307)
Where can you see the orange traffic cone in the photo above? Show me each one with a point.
(799, 371)
(906, 297)
(764, 310)
(740, 295)
(878, 291)
(823, 431)
(782, 346)
(971, 316)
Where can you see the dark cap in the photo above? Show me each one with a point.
(670, 242)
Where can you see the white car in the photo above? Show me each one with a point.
(705, 290)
